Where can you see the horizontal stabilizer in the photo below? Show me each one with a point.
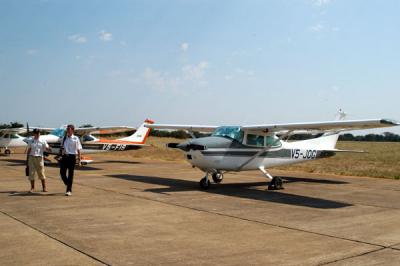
(353, 151)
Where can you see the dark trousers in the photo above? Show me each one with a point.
(68, 163)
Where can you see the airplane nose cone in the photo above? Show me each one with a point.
(191, 145)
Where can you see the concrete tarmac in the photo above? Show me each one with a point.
(148, 212)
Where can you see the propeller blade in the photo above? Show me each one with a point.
(27, 129)
(196, 147)
(172, 145)
(186, 146)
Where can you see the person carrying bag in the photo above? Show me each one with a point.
(35, 161)
(70, 151)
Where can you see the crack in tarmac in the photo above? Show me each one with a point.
(54, 238)
(233, 216)
(353, 256)
(379, 247)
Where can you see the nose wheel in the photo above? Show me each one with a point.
(217, 177)
(7, 152)
(205, 183)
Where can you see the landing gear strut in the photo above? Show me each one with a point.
(275, 183)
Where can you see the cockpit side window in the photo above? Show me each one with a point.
(14, 136)
(255, 140)
(59, 132)
(88, 138)
(273, 141)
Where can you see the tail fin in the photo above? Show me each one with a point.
(141, 134)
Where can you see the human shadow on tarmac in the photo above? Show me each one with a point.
(19, 162)
(242, 190)
(15, 162)
(29, 194)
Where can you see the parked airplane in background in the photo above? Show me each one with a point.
(257, 147)
(91, 144)
(10, 138)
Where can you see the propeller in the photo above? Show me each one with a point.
(196, 147)
(172, 145)
(27, 130)
(186, 146)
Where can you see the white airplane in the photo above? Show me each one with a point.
(91, 144)
(257, 147)
(10, 138)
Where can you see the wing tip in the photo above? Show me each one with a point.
(390, 122)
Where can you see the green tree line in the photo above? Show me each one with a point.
(385, 137)
(11, 125)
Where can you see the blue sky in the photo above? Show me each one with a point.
(198, 62)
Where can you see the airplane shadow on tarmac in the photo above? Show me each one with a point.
(242, 190)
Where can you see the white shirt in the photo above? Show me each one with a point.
(37, 147)
(71, 145)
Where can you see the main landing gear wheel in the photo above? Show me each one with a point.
(205, 183)
(276, 183)
(217, 177)
(7, 152)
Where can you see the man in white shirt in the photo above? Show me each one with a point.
(70, 149)
(35, 161)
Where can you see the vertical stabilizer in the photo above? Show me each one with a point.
(141, 134)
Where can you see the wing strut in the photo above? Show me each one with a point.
(251, 159)
(262, 169)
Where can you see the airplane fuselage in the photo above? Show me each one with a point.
(221, 154)
(93, 147)
(12, 141)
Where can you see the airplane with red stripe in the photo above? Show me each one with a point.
(92, 144)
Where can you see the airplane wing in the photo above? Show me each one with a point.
(325, 126)
(183, 127)
(42, 129)
(102, 130)
(19, 130)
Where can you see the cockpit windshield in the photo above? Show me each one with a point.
(59, 132)
(88, 138)
(229, 132)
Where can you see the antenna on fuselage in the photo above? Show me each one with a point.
(341, 115)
